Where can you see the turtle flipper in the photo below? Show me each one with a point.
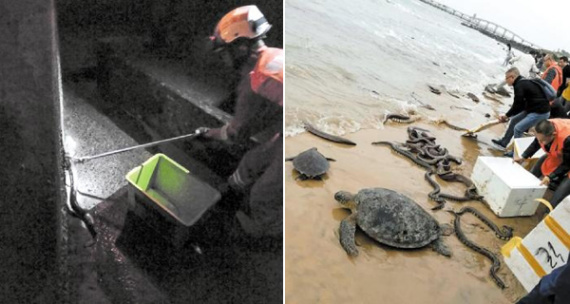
(302, 177)
(347, 231)
(290, 158)
(440, 247)
(331, 159)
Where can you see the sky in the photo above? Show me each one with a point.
(543, 22)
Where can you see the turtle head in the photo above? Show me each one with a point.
(346, 199)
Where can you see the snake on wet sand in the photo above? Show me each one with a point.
(496, 263)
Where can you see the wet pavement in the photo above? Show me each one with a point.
(131, 261)
(136, 264)
(89, 132)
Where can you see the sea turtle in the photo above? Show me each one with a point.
(390, 218)
(310, 164)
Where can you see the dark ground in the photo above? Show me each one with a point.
(132, 262)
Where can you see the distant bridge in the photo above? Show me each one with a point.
(487, 27)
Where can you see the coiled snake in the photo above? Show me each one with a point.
(428, 155)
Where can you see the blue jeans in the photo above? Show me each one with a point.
(520, 123)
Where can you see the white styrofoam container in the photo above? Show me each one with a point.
(522, 143)
(523, 256)
(508, 188)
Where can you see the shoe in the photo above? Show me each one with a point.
(499, 143)
(508, 154)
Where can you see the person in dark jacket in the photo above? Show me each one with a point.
(529, 107)
(563, 62)
(559, 108)
(553, 288)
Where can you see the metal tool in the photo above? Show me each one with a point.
(150, 144)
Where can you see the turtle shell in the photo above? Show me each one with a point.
(394, 219)
(311, 163)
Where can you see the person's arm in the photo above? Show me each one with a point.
(534, 69)
(550, 76)
(565, 75)
(519, 102)
(564, 167)
(530, 150)
(248, 116)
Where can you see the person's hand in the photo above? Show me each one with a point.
(218, 134)
(518, 160)
(545, 181)
(503, 118)
(201, 131)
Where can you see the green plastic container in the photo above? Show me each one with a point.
(165, 186)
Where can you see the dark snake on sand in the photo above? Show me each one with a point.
(435, 151)
(398, 118)
(470, 192)
(505, 234)
(454, 127)
(454, 159)
(405, 153)
(496, 262)
(321, 134)
(426, 141)
(428, 155)
(434, 195)
(432, 160)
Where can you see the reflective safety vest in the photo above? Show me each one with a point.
(267, 75)
(554, 155)
(557, 81)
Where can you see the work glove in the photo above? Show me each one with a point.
(219, 134)
(201, 131)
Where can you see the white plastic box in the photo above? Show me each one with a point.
(520, 145)
(542, 250)
(508, 188)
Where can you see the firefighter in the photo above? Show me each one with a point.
(238, 38)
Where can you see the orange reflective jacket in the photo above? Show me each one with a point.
(554, 156)
(557, 81)
(267, 75)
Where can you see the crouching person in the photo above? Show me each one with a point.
(553, 136)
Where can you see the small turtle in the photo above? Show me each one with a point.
(389, 218)
(310, 164)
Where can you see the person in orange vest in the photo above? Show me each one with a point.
(238, 38)
(553, 72)
(553, 136)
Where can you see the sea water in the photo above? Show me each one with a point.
(348, 63)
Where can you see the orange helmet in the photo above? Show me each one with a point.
(243, 22)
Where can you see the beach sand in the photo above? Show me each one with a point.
(318, 270)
